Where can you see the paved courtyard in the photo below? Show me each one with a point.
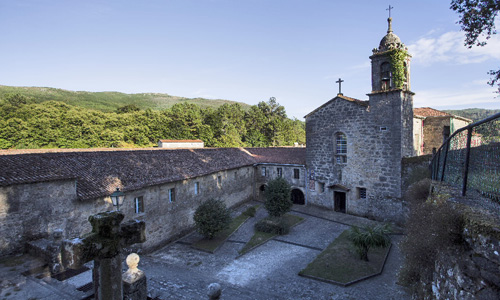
(268, 272)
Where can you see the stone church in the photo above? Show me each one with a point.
(353, 163)
(355, 148)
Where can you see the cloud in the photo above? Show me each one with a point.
(466, 96)
(449, 47)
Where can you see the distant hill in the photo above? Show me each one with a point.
(110, 101)
(474, 114)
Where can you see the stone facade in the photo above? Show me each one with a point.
(295, 174)
(366, 179)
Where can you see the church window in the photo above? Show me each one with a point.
(279, 171)
(138, 205)
(196, 188)
(341, 148)
(362, 193)
(171, 195)
(263, 171)
(296, 173)
(385, 75)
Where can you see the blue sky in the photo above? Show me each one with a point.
(245, 51)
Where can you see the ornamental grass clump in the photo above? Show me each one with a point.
(369, 237)
(211, 217)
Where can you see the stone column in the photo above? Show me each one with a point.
(134, 280)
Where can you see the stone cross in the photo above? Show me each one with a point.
(340, 85)
(103, 245)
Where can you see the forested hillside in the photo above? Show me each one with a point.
(490, 131)
(109, 101)
(25, 123)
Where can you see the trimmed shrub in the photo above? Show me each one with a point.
(251, 211)
(418, 192)
(278, 197)
(273, 225)
(211, 217)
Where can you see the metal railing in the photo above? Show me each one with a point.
(471, 160)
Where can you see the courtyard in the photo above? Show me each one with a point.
(177, 271)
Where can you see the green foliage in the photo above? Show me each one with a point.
(433, 227)
(477, 18)
(369, 237)
(490, 131)
(397, 59)
(278, 197)
(275, 225)
(54, 124)
(251, 211)
(211, 217)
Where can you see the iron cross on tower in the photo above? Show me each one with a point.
(389, 9)
(340, 85)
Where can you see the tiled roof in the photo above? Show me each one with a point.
(97, 173)
(341, 96)
(181, 141)
(429, 112)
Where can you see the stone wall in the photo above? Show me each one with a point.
(268, 171)
(33, 211)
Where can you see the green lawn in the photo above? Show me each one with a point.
(260, 238)
(213, 244)
(339, 263)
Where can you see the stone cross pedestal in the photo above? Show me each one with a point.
(134, 281)
(103, 245)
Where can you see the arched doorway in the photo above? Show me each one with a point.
(298, 197)
(262, 190)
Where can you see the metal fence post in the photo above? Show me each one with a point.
(467, 158)
(444, 159)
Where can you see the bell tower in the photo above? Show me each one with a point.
(391, 100)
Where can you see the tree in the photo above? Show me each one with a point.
(211, 217)
(477, 19)
(368, 237)
(127, 109)
(278, 197)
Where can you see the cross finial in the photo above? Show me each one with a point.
(340, 85)
(389, 9)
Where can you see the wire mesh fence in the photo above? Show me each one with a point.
(470, 158)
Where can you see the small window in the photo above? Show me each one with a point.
(341, 143)
(139, 205)
(279, 171)
(296, 173)
(219, 180)
(263, 171)
(362, 193)
(341, 159)
(321, 187)
(196, 188)
(171, 195)
(383, 128)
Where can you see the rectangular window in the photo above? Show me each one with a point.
(296, 173)
(219, 180)
(171, 195)
(139, 205)
(362, 193)
(279, 171)
(321, 187)
(196, 188)
(341, 159)
(263, 171)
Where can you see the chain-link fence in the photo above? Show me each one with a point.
(470, 158)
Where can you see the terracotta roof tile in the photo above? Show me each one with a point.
(98, 172)
(429, 112)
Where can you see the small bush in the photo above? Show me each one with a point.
(251, 211)
(432, 227)
(211, 217)
(418, 174)
(278, 194)
(369, 237)
(273, 225)
(418, 192)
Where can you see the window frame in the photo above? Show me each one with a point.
(279, 172)
(340, 148)
(263, 171)
(171, 195)
(139, 205)
(197, 188)
(361, 193)
(296, 173)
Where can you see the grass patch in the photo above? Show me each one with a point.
(260, 238)
(340, 263)
(221, 237)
